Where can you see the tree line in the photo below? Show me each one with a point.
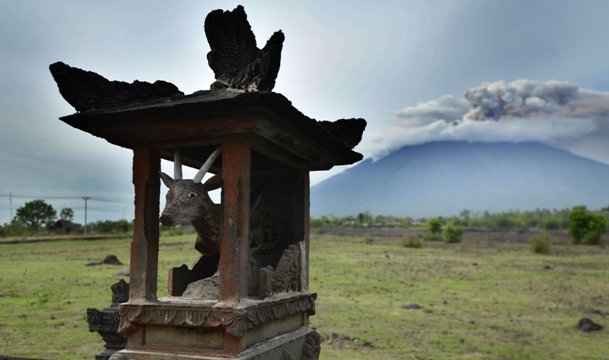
(584, 226)
(542, 219)
(36, 217)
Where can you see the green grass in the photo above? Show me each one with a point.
(45, 290)
(480, 299)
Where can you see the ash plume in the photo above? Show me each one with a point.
(552, 112)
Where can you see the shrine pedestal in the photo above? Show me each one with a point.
(186, 329)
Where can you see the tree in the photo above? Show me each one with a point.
(585, 226)
(66, 214)
(465, 214)
(364, 219)
(35, 213)
(596, 228)
(578, 223)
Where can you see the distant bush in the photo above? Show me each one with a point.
(15, 228)
(505, 223)
(540, 244)
(413, 242)
(362, 220)
(453, 234)
(433, 229)
(110, 227)
(586, 227)
(171, 230)
(552, 224)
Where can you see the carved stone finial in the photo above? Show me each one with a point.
(106, 322)
(86, 90)
(234, 57)
(120, 292)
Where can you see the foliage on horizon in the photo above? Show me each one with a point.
(542, 219)
(37, 217)
(585, 226)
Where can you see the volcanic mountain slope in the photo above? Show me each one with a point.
(444, 178)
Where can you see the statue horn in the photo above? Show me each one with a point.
(207, 165)
(177, 165)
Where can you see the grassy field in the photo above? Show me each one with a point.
(481, 299)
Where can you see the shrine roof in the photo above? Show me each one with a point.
(240, 104)
(208, 116)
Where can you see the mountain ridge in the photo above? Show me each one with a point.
(445, 177)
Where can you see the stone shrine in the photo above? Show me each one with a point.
(247, 295)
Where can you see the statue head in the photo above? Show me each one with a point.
(188, 201)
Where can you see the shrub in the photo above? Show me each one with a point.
(596, 228)
(16, 228)
(586, 227)
(413, 242)
(540, 244)
(453, 234)
(433, 229)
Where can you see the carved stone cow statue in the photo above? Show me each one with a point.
(188, 201)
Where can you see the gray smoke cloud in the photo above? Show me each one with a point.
(556, 113)
(534, 99)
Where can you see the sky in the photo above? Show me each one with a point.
(417, 71)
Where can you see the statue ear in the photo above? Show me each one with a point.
(167, 180)
(213, 183)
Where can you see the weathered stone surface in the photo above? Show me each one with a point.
(112, 260)
(120, 292)
(285, 277)
(205, 289)
(290, 345)
(312, 346)
(234, 57)
(348, 131)
(86, 90)
(106, 322)
(108, 260)
(235, 320)
(587, 325)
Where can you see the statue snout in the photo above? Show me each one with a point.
(166, 220)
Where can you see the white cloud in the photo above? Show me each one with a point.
(557, 113)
